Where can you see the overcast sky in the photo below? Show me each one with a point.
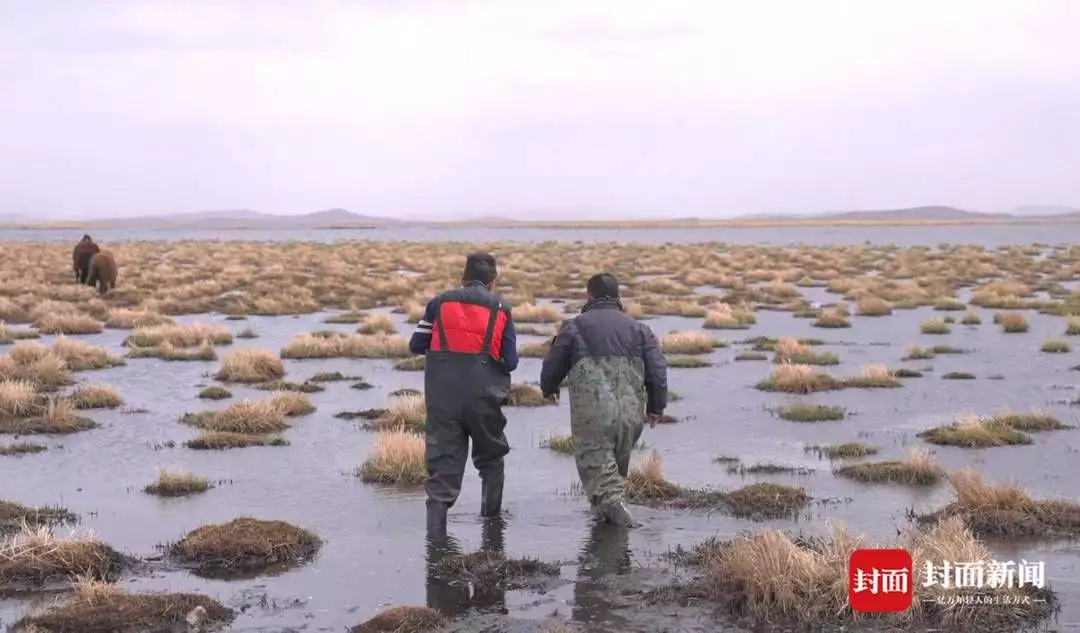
(570, 107)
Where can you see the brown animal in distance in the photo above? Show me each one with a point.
(102, 272)
(80, 258)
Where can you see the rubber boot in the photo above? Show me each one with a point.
(436, 519)
(491, 494)
(617, 514)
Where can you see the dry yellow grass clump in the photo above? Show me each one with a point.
(402, 619)
(245, 543)
(917, 467)
(252, 416)
(127, 319)
(61, 323)
(378, 324)
(250, 365)
(176, 483)
(689, 343)
(102, 607)
(96, 396)
(399, 459)
(772, 578)
(722, 316)
(407, 412)
(310, 345)
(191, 335)
(532, 313)
(35, 556)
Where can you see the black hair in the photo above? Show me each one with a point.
(604, 285)
(480, 267)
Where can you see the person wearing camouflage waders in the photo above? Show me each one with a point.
(468, 337)
(617, 377)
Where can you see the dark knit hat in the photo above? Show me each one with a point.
(604, 285)
(480, 267)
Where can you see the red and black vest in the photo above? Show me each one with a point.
(470, 320)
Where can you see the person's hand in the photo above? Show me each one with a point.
(654, 419)
(551, 397)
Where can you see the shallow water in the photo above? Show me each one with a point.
(987, 235)
(374, 553)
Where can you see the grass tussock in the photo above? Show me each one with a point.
(378, 324)
(250, 365)
(14, 516)
(35, 557)
(56, 417)
(177, 483)
(399, 459)
(646, 485)
(689, 343)
(253, 417)
(793, 378)
(687, 362)
(1034, 420)
(245, 543)
(191, 335)
(413, 363)
(169, 352)
(493, 569)
(218, 440)
(935, 325)
(789, 350)
(847, 450)
(724, 317)
(408, 413)
(18, 398)
(214, 392)
(971, 431)
(971, 318)
(402, 619)
(831, 319)
(1011, 322)
(1055, 346)
(48, 372)
(873, 307)
(811, 413)
(990, 509)
(918, 467)
(63, 323)
(531, 313)
(1072, 326)
(310, 345)
(80, 356)
(96, 396)
(522, 395)
(9, 335)
(559, 443)
(329, 376)
(128, 319)
(19, 449)
(958, 375)
(772, 578)
(284, 385)
(101, 607)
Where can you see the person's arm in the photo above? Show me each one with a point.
(557, 361)
(420, 342)
(509, 345)
(655, 373)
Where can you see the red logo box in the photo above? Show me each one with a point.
(880, 580)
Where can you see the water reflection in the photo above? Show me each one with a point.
(455, 599)
(606, 552)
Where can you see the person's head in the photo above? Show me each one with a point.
(480, 267)
(603, 286)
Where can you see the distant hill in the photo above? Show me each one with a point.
(230, 219)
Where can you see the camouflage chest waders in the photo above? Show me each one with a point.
(464, 392)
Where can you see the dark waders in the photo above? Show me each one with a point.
(464, 395)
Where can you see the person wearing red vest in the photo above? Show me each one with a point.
(468, 337)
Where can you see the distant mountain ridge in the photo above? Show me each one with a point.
(343, 218)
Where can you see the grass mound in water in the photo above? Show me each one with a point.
(96, 396)
(400, 458)
(918, 467)
(646, 485)
(493, 569)
(402, 619)
(970, 431)
(176, 483)
(56, 416)
(14, 515)
(35, 557)
(408, 412)
(689, 343)
(811, 413)
(217, 440)
(522, 395)
(251, 365)
(990, 509)
(245, 544)
(99, 607)
(774, 579)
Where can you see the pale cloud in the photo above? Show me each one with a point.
(627, 107)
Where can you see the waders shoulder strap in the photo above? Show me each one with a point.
(493, 318)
